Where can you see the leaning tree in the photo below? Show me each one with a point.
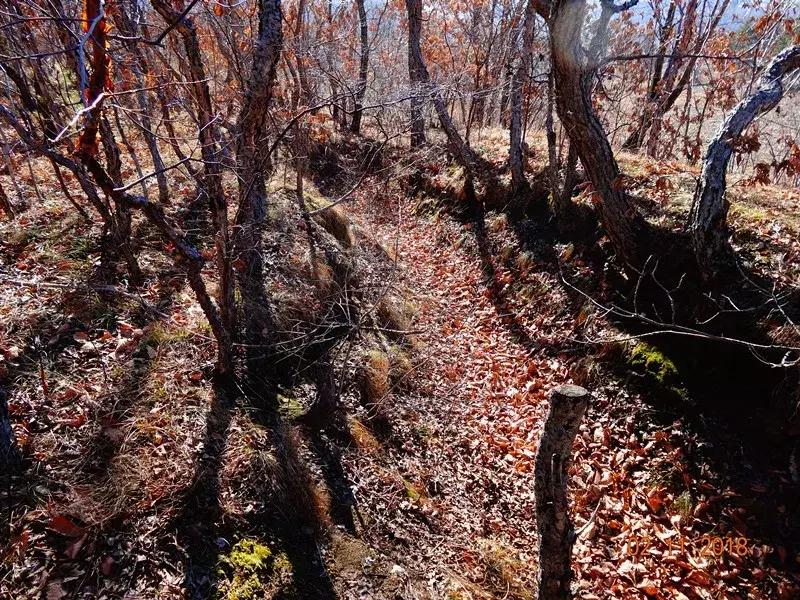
(708, 222)
(622, 222)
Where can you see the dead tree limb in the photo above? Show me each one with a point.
(568, 403)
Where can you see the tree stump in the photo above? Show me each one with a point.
(568, 404)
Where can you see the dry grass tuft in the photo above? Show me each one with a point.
(374, 377)
(301, 497)
(400, 367)
(394, 315)
(362, 436)
(506, 574)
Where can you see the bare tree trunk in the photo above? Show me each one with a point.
(568, 403)
(636, 138)
(96, 130)
(518, 80)
(251, 163)
(623, 224)
(65, 190)
(363, 65)
(665, 86)
(417, 73)
(212, 177)
(709, 214)
(172, 136)
(552, 153)
(329, 48)
(463, 153)
(570, 177)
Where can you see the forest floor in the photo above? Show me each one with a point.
(147, 480)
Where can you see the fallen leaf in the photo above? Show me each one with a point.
(65, 526)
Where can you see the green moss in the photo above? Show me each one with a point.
(683, 505)
(252, 570)
(290, 408)
(412, 491)
(749, 213)
(159, 335)
(658, 367)
(79, 248)
(244, 570)
(281, 564)
(423, 432)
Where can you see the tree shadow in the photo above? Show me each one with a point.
(503, 309)
(344, 508)
(198, 523)
(291, 516)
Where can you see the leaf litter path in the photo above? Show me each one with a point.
(479, 397)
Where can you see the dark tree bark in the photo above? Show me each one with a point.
(363, 65)
(623, 224)
(251, 165)
(636, 138)
(709, 214)
(417, 73)
(332, 77)
(172, 136)
(552, 153)
(189, 257)
(568, 403)
(666, 85)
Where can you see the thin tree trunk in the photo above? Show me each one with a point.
(570, 177)
(552, 153)
(518, 80)
(417, 73)
(636, 138)
(9, 455)
(465, 156)
(212, 177)
(140, 69)
(10, 168)
(363, 65)
(172, 136)
(5, 204)
(251, 163)
(709, 214)
(65, 190)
